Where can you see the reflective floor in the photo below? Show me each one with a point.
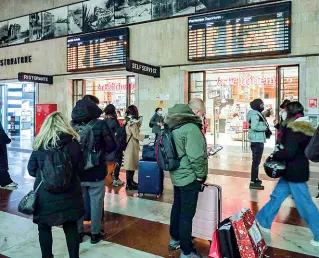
(139, 227)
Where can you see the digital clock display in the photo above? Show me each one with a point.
(251, 31)
(98, 50)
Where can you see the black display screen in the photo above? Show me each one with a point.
(98, 50)
(251, 31)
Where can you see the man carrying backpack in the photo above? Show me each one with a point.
(96, 141)
(185, 121)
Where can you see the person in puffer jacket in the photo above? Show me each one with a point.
(297, 133)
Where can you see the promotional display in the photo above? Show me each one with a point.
(98, 50)
(42, 111)
(252, 31)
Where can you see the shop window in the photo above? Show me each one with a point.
(78, 89)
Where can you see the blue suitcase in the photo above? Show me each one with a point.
(150, 178)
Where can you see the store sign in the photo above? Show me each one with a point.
(145, 69)
(109, 87)
(247, 79)
(16, 60)
(261, 30)
(36, 78)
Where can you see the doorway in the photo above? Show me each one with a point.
(228, 93)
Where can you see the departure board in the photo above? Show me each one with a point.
(261, 30)
(98, 50)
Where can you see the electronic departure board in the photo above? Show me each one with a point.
(252, 31)
(98, 50)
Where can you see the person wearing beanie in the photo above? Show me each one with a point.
(257, 138)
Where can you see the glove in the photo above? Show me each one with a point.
(202, 180)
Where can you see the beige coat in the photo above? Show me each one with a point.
(131, 154)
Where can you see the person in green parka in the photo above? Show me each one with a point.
(191, 147)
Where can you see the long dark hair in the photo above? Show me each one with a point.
(110, 110)
(294, 109)
(132, 111)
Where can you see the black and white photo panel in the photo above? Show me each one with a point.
(35, 26)
(132, 11)
(4, 33)
(98, 15)
(75, 18)
(209, 5)
(182, 7)
(18, 30)
(55, 22)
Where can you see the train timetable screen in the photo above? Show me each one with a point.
(98, 50)
(252, 31)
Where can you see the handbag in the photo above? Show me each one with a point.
(27, 204)
(274, 168)
(214, 251)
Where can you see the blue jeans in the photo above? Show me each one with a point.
(304, 204)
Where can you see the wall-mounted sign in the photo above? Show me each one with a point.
(145, 69)
(36, 78)
(16, 60)
(97, 50)
(253, 31)
(313, 103)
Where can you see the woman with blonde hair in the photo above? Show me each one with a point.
(61, 208)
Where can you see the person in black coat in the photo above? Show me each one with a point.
(156, 122)
(117, 155)
(5, 179)
(93, 179)
(296, 135)
(54, 209)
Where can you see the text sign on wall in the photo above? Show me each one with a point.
(36, 78)
(141, 68)
(98, 50)
(252, 31)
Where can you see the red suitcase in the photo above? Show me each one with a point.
(208, 212)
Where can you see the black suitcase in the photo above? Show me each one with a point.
(150, 178)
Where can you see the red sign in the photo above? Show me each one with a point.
(313, 103)
(116, 86)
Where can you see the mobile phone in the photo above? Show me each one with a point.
(215, 149)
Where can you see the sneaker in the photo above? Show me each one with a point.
(256, 186)
(192, 255)
(174, 245)
(265, 230)
(117, 182)
(96, 238)
(314, 243)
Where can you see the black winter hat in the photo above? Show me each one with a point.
(255, 104)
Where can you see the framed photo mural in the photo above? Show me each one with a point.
(167, 8)
(18, 30)
(4, 33)
(75, 18)
(98, 15)
(209, 5)
(55, 23)
(132, 11)
(35, 27)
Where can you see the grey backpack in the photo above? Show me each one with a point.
(91, 156)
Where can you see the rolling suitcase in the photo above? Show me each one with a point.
(208, 212)
(150, 178)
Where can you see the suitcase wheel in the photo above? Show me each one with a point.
(140, 195)
(158, 196)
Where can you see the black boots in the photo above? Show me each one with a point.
(130, 184)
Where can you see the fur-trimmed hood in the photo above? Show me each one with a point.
(301, 125)
(131, 121)
(181, 114)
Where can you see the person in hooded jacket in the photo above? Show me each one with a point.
(257, 137)
(156, 122)
(297, 133)
(5, 179)
(93, 179)
(117, 155)
(55, 209)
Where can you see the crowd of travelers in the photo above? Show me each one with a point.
(88, 144)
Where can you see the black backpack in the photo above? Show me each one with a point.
(120, 136)
(57, 171)
(166, 154)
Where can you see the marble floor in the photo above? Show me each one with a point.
(139, 227)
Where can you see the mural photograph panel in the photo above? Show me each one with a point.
(18, 30)
(98, 15)
(35, 26)
(55, 23)
(208, 5)
(132, 11)
(4, 33)
(75, 18)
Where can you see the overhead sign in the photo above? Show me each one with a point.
(36, 78)
(253, 31)
(145, 69)
(98, 50)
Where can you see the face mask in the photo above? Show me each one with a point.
(284, 116)
(160, 113)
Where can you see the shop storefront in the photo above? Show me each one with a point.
(17, 106)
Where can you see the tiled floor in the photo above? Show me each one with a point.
(139, 227)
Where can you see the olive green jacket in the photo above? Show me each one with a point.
(190, 145)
